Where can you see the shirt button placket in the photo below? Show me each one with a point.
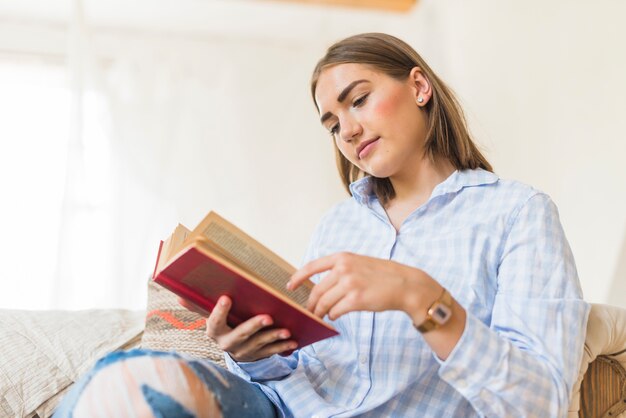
(364, 355)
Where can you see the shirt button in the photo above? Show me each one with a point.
(362, 359)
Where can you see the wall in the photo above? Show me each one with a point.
(542, 84)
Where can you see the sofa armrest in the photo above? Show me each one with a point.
(601, 387)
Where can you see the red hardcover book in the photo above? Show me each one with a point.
(217, 258)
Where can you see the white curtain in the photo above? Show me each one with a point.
(164, 129)
(34, 109)
(138, 123)
(127, 138)
(85, 236)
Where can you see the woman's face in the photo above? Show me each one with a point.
(376, 121)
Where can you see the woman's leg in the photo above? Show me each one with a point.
(144, 383)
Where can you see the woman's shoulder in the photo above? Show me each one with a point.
(521, 192)
(508, 197)
(516, 189)
(336, 219)
(347, 214)
(491, 185)
(496, 198)
(340, 211)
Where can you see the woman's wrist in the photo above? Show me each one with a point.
(420, 292)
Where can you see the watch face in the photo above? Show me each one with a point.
(441, 313)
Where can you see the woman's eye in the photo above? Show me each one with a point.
(358, 102)
(334, 129)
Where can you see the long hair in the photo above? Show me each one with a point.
(447, 136)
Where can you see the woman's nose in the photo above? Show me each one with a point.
(350, 129)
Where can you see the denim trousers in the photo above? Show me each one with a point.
(164, 384)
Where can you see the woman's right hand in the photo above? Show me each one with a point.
(249, 341)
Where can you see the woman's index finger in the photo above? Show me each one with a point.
(309, 269)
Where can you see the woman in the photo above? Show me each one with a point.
(455, 292)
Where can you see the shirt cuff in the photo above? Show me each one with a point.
(271, 368)
(460, 369)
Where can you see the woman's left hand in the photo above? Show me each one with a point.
(360, 283)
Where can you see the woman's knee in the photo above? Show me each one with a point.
(146, 385)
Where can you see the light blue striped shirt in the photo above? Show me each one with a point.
(499, 248)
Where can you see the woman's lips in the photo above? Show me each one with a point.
(366, 148)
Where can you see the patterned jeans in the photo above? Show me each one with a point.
(145, 383)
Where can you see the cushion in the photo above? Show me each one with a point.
(44, 352)
(601, 386)
(171, 327)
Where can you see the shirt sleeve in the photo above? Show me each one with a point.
(525, 362)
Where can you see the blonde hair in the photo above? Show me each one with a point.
(447, 136)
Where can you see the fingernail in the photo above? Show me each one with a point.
(284, 335)
(289, 285)
(292, 346)
(266, 321)
(223, 301)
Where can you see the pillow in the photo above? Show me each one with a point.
(171, 327)
(47, 408)
(44, 352)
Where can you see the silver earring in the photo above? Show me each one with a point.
(420, 99)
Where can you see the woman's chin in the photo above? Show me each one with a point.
(379, 172)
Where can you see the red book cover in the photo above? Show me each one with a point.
(202, 277)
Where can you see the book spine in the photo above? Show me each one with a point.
(156, 265)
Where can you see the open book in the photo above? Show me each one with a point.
(217, 258)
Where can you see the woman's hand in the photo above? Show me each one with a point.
(359, 283)
(250, 340)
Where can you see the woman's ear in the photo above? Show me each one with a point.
(420, 84)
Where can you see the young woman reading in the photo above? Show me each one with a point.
(455, 291)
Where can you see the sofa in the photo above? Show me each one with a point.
(45, 352)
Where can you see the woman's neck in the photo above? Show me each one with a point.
(418, 183)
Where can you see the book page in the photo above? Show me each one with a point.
(177, 240)
(244, 251)
(172, 245)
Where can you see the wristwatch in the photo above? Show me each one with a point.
(438, 314)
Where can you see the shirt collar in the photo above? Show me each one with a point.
(362, 190)
(464, 178)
